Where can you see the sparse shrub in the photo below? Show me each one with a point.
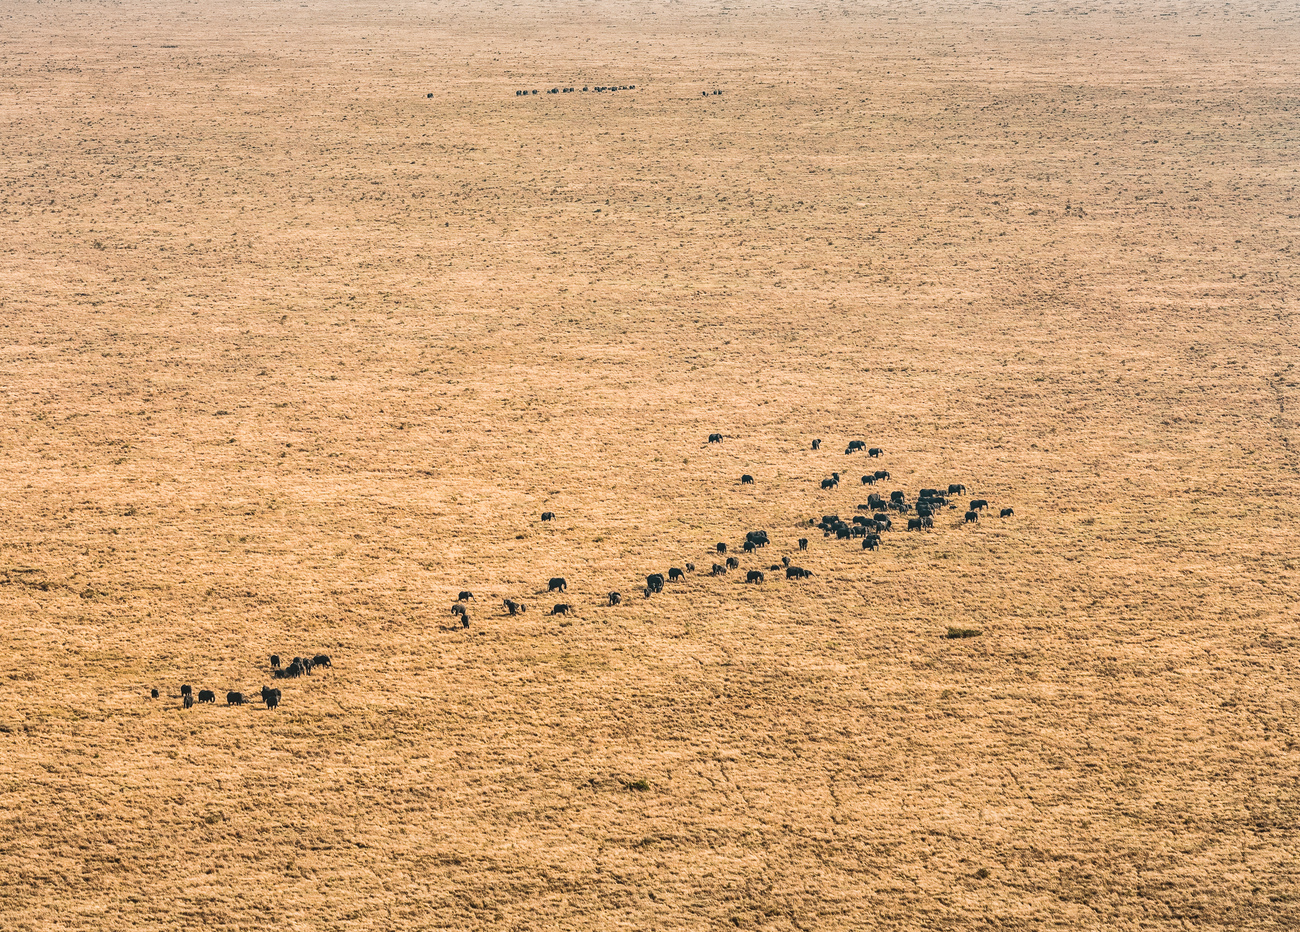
(963, 633)
(640, 785)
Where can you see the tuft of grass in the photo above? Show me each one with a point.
(640, 785)
(955, 633)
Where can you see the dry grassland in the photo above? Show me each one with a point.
(291, 353)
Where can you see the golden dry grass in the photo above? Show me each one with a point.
(292, 353)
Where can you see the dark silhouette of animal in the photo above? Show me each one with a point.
(746, 479)
(153, 694)
(860, 519)
(817, 445)
(187, 700)
(646, 591)
(615, 598)
(803, 543)
(796, 572)
(307, 662)
(924, 511)
(754, 576)
(275, 661)
(465, 596)
(722, 548)
(464, 621)
(856, 445)
(733, 563)
(978, 504)
(233, 698)
(868, 480)
(749, 546)
(322, 660)
(875, 451)
(458, 609)
(871, 542)
(956, 488)
(875, 500)
(655, 582)
(690, 567)
(557, 582)
(561, 608)
(882, 473)
(972, 516)
(271, 697)
(757, 538)
(828, 483)
(718, 570)
(883, 521)
(914, 524)
(927, 522)
(514, 607)
(186, 690)
(1007, 513)
(675, 575)
(548, 516)
(207, 695)
(715, 438)
(897, 496)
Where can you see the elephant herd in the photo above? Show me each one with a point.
(299, 666)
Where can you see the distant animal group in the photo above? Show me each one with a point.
(570, 90)
(866, 527)
(299, 666)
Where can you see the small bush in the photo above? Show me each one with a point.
(639, 785)
(963, 633)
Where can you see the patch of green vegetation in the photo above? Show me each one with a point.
(955, 633)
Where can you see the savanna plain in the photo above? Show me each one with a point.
(306, 316)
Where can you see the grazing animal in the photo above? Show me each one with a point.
(956, 488)
(882, 473)
(271, 697)
(875, 500)
(924, 510)
(754, 576)
(690, 567)
(828, 484)
(816, 444)
(655, 582)
(615, 598)
(883, 521)
(978, 504)
(785, 561)
(914, 524)
(458, 609)
(322, 660)
(465, 596)
(307, 664)
(856, 445)
(464, 621)
(187, 700)
(186, 690)
(233, 698)
(207, 695)
(803, 543)
(722, 548)
(875, 451)
(869, 480)
(275, 661)
(153, 694)
(733, 563)
(797, 572)
(972, 516)
(557, 582)
(675, 575)
(757, 538)
(548, 516)
(514, 607)
(746, 479)
(713, 438)
(718, 570)
(1007, 513)
(871, 542)
(647, 592)
(897, 496)
(561, 608)
(927, 522)
(749, 546)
